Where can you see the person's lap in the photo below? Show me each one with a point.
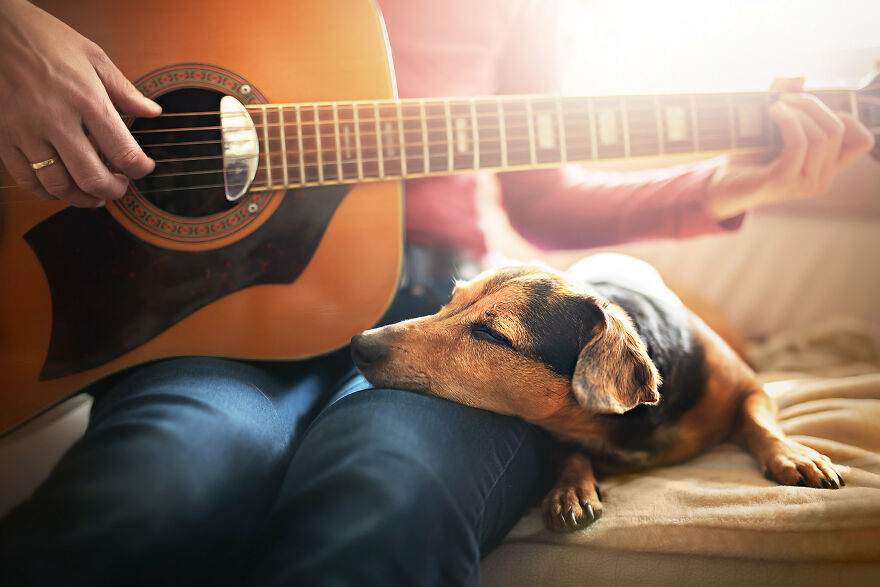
(391, 487)
(189, 464)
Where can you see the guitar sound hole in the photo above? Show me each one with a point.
(188, 179)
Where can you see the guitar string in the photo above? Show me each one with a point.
(372, 122)
(522, 116)
(331, 168)
(554, 106)
(637, 137)
(520, 145)
(330, 165)
(416, 136)
(842, 95)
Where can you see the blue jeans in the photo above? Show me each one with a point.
(210, 471)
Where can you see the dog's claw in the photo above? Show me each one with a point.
(571, 508)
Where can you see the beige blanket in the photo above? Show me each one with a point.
(719, 504)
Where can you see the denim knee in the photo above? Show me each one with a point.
(390, 487)
(196, 426)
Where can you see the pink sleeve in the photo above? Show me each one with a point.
(572, 208)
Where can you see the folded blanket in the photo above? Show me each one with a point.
(719, 505)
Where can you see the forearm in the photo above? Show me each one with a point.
(575, 208)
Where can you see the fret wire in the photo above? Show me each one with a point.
(299, 140)
(694, 127)
(402, 145)
(563, 149)
(731, 121)
(476, 134)
(625, 124)
(283, 144)
(266, 145)
(661, 146)
(448, 134)
(319, 148)
(771, 139)
(425, 153)
(338, 142)
(357, 142)
(502, 132)
(379, 140)
(853, 104)
(532, 155)
(594, 142)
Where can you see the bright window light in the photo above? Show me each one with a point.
(644, 46)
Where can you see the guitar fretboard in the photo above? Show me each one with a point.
(349, 142)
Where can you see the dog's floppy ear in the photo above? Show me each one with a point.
(614, 373)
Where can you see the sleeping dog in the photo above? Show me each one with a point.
(606, 358)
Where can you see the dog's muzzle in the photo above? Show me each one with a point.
(367, 351)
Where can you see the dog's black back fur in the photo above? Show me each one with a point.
(668, 334)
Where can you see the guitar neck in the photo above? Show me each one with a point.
(351, 142)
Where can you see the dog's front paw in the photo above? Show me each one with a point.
(791, 463)
(567, 508)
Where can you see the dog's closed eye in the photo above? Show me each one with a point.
(487, 333)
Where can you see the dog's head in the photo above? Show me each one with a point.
(519, 340)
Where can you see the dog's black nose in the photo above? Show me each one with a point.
(366, 350)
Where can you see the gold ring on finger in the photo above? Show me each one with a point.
(46, 163)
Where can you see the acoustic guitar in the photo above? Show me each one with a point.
(271, 226)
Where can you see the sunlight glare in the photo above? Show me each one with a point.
(639, 46)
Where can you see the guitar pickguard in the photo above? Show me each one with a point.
(112, 292)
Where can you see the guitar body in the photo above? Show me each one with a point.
(274, 275)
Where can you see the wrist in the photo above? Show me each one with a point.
(723, 198)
